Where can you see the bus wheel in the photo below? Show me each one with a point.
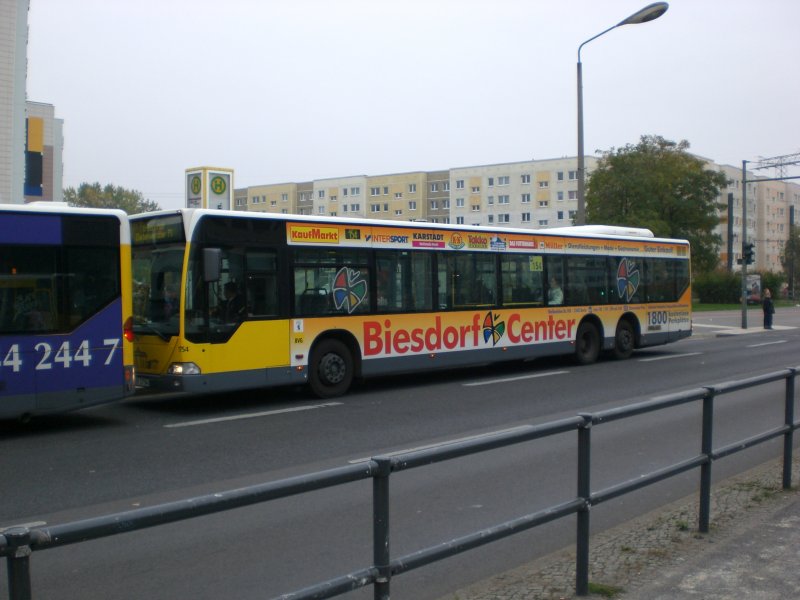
(624, 340)
(331, 369)
(587, 344)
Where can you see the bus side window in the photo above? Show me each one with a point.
(313, 301)
(311, 291)
(403, 281)
(556, 292)
(521, 279)
(261, 292)
(659, 281)
(445, 278)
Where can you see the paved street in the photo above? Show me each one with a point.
(752, 550)
(149, 450)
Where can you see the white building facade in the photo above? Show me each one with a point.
(13, 76)
(534, 194)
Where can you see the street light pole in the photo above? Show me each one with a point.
(648, 13)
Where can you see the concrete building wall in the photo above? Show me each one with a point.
(340, 197)
(438, 185)
(278, 198)
(398, 197)
(240, 197)
(768, 211)
(538, 194)
(52, 152)
(305, 198)
(772, 230)
(13, 76)
(734, 189)
(534, 194)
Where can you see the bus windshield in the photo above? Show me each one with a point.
(156, 289)
(157, 261)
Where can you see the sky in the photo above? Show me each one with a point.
(297, 90)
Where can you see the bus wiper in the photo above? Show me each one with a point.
(151, 329)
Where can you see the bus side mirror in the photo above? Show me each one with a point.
(212, 264)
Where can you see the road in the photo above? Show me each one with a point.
(154, 449)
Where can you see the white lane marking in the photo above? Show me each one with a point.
(442, 444)
(669, 357)
(714, 326)
(507, 379)
(267, 413)
(767, 344)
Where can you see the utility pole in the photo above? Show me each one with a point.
(777, 162)
(744, 244)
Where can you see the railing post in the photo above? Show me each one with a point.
(705, 469)
(18, 563)
(380, 528)
(584, 491)
(788, 437)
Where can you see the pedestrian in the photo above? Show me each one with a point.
(768, 308)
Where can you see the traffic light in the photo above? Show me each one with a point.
(749, 253)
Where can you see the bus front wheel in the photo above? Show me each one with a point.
(587, 344)
(331, 369)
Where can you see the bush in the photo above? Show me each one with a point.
(773, 281)
(718, 287)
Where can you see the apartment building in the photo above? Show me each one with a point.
(438, 186)
(398, 197)
(31, 138)
(533, 194)
(43, 156)
(240, 199)
(13, 75)
(281, 198)
(774, 200)
(340, 196)
(769, 212)
(305, 198)
(730, 200)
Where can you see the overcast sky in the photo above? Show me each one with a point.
(296, 90)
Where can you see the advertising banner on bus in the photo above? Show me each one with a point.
(407, 238)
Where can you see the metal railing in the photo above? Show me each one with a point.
(18, 543)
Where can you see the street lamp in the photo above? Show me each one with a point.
(648, 13)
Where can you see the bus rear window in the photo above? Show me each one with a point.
(53, 288)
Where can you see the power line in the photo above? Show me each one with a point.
(779, 163)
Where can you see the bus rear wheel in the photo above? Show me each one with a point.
(331, 369)
(587, 344)
(624, 340)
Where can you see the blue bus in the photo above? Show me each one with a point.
(66, 326)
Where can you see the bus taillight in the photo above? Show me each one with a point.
(127, 329)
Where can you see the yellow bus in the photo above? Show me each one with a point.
(227, 300)
(66, 335)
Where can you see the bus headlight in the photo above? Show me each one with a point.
(183, 369)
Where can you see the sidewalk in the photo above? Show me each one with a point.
(757, 559)
(727, 330)
(752, 551)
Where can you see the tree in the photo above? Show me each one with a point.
(657, 184)
(110, 196)
(791, 260)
